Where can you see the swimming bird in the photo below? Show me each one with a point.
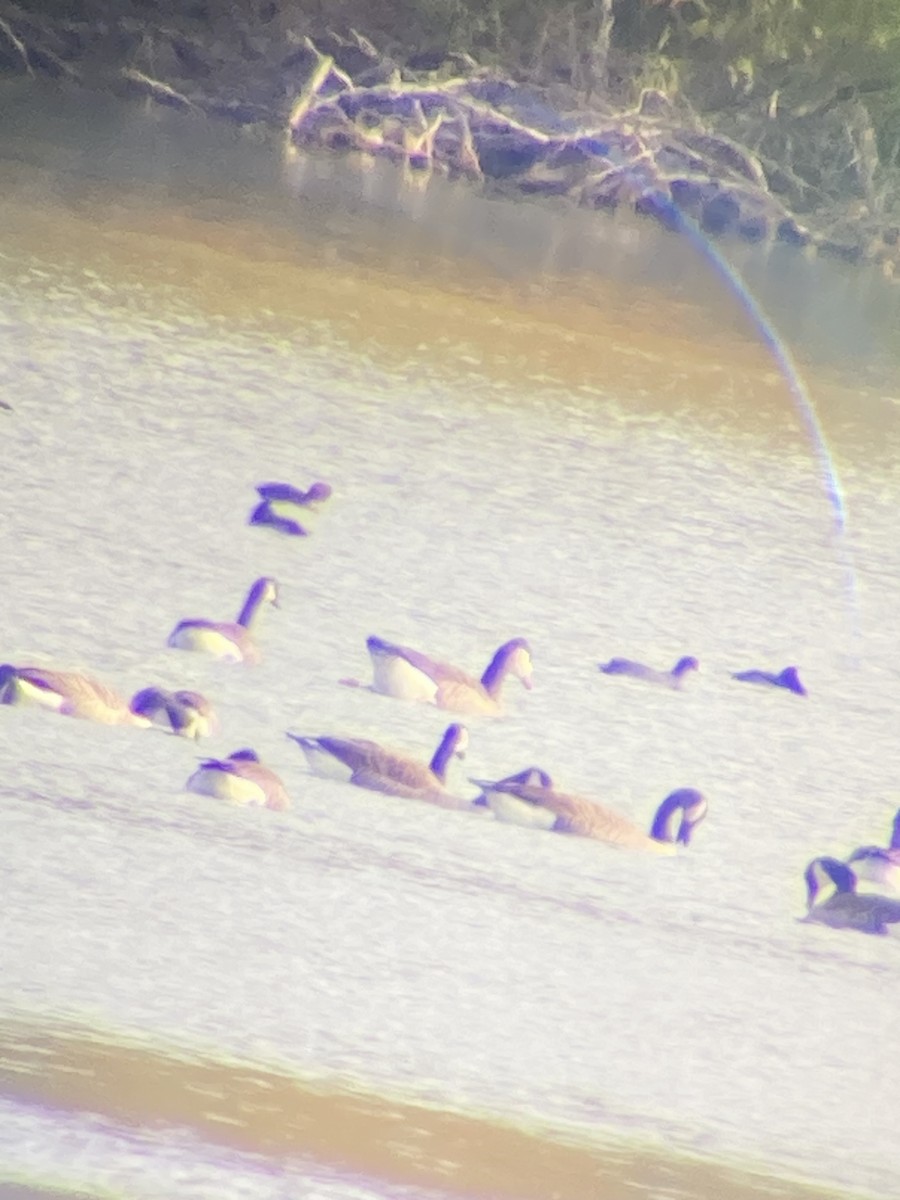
(67, 692)
(845, 908)
(188, 714)
(545, 808)
(879, 864)
(410, 675)
(231, 641)
(240, 778)
(788, 678)
(281, 506)
(671, 679)
(531, 776)
(370, 765)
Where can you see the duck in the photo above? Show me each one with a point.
(240, 778)
(671, 679)
(540, 807)
(845, 908)
(879, 864)
(187, 714)
(281, 504)
(231, 641)
(408, 674)
(369, 765)
(789, 678)
(70, 693)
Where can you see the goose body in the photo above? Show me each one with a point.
(408, 674)
(369, 765)
(789, 678)
(879, 864)
(845, 908)
(231, 641)
(187, 714)
(541, 807)
(240, 778)
(67, 692)
(672, 679)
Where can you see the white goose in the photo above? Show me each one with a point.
(231, 641)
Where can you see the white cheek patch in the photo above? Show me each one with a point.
(394, 676)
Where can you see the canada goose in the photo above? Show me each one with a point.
(241, 778)
(788, 678)
(369, 765)
(67, 692)
(545, 808)
(879, 864)
(188, 714)
(405, 673)
(289, 494)
(232, 641)
(845, 908)
(266, 514)
(671, 679)
(281, 505)
(531, 776)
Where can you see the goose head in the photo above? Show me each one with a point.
(790, 678)
(513, 658)
(688, 663)
(678, 816)
(827, 872)
(263, 591)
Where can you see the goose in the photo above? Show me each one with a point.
(845, 908)
(879, 864)
(789, 678)
(240, 778)
(409, 675)
(67, 692)
(231, 641)
(545, 808)
(672, 679)
(281, 504)
(530, 776)
(369, 765)
(188, 714)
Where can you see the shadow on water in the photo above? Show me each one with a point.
(265, 1111)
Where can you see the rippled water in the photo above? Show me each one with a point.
(364, 996)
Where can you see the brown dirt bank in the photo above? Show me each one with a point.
(537, 128)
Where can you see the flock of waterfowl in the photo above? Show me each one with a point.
(527, 797)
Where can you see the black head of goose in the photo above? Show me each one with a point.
(408, 674)
(636, 670)
(231, 641)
